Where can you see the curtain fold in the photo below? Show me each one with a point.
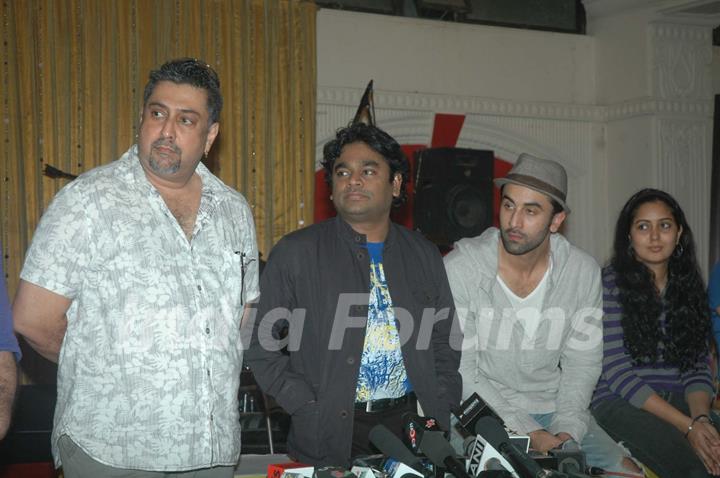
(71, 83)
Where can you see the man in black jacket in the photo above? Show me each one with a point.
(368, 307)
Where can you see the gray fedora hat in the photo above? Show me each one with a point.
(542, 175)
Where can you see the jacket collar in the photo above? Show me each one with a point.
(350, 235)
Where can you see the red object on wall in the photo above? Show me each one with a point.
(446, 130)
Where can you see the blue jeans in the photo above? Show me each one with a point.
(600, 450)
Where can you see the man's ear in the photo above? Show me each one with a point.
(557, 221)
(212, 134)
(397, 183)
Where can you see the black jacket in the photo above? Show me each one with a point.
(322, 270)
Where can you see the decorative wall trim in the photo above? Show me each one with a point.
(653, 107)
(683, 168)
(462, 104)
(681, 61)
(508, 108)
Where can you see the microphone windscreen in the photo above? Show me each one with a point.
(492, 431)
(436, 447)
(494, 464)
(390, 445)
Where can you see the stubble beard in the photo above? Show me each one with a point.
(170, 165)
(520, 248)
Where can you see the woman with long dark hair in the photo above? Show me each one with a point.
(655, 390)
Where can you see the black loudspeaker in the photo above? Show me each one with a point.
(453, 193)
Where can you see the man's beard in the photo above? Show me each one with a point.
(520, 248)
(171, 167)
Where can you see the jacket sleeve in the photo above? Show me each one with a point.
(460, 272)
(271, 368)
(580, 361)
(446, 342)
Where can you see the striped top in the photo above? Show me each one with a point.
(621, 377)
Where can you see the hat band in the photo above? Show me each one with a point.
(537, 184)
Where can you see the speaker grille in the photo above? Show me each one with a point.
(453, 193)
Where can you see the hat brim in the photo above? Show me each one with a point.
(500, 182)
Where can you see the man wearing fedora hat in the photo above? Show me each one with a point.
(531, 307)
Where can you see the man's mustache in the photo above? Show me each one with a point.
(357, 191)
(514, 231)
(166, 144)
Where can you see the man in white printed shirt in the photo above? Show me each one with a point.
(136, 282)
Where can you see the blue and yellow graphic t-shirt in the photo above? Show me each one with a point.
(382, 371)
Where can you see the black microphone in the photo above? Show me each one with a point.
(496, 436)
(471, 410)
(441, 453)
(390, 445)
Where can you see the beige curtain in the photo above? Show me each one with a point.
(71, 79)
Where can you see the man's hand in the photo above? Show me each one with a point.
(542, 441)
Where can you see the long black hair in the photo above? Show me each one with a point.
(687, 317)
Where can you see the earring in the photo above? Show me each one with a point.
(205, 155)
(630, 250)
(678, 252)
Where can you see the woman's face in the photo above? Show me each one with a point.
(654, 234)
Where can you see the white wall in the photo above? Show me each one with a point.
(426, 56)
(621, 47)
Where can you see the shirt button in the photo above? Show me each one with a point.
(207, 330)
(208, 372)
(351, 360)
(360, 255)
(343, 414)
(358, 239)
(199, 287)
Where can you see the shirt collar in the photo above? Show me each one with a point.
(212, 189)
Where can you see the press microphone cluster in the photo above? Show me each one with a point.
(488, 448)
(426, 439)
(494, 450)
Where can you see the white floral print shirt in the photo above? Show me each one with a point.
(150, 365)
